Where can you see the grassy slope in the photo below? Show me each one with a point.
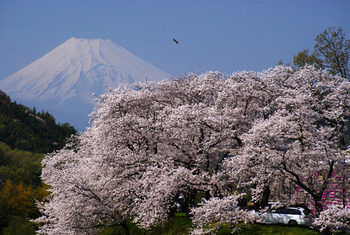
(180, 224)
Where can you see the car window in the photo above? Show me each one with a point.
(290, 211)
(284, 211)
(279, 210)
(293, 211)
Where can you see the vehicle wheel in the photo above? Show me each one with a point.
(292, 222)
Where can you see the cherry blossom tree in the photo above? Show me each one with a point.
(335, 217)
(149, 143)
(302, 136)
(218, 211)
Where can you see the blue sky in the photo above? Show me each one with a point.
(220, 35)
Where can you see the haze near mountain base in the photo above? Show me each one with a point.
(64, 80)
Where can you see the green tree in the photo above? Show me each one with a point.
(21, 198)
(331, 51)
(304, 58)
(26, 129)
(19, 225)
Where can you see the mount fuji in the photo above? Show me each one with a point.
(64, 80)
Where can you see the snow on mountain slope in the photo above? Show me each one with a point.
(64, 79)
(79, 67)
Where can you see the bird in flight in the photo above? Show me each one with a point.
(175, 41)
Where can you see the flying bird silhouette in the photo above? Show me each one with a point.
(175, 41)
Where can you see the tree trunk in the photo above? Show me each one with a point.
(326, 232)
(125, 227)
(265, 197)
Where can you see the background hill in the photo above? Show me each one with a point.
(25, 136)
(26, 129)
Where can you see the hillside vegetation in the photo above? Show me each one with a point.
(25, 136)
(26, 129)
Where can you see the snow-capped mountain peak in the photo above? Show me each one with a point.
(76, 69)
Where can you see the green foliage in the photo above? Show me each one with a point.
(5, 213)
(20, 166)
(20, 187)
(25, 135)
(26, 129)
(21, 198)
(19, 225)
(331, 51)
(304, 58)
(261, 229)
(334, 50)
(180, 224)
